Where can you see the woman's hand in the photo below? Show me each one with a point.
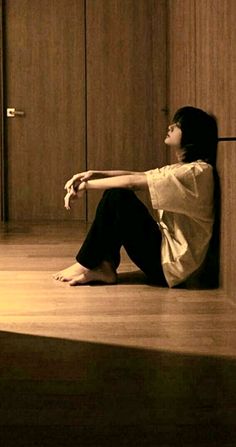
(76, 186)
(77, 179)
(73, 195)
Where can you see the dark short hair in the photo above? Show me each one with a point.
(199, 134)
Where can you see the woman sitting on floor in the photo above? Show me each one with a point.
(170, 248)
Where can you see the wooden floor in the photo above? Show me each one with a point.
(124, 365)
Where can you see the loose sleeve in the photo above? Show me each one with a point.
(184, 190)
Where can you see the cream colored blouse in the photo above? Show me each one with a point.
(182, 195)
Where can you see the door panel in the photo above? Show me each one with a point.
(45, 67)
(126, 85)
(181, 57)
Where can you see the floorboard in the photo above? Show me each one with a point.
(123, 365)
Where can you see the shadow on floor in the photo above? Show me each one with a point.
(135, 277)
(57, 392)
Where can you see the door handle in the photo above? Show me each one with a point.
(11, 112)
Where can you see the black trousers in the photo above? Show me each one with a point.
(123, 220)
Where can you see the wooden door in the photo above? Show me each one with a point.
(126, 86)
(44, 78)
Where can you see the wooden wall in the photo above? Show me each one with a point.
(202, 66)
(216, 61)
(227, 163)
(126, 85)
(181, 54)
(1, 122)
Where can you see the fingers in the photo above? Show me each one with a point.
(67, 200)
(77, 179)
(86, 176)
(70, 196)
(71, 184)
(75, 187)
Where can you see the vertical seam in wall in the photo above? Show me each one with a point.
(85, 103)
(167, 77)
(162, 108)
(152, 79)
(195, 52)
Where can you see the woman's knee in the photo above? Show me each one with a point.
(118, 192)
(125, 202)
(115, 199)
(119, 197)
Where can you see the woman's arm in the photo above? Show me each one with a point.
(93, 175)
(104, 174)
(134, 181)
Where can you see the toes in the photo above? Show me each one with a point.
(59, 277)
(73, 283)
(78, 280)
(64, 279)
(55, 275)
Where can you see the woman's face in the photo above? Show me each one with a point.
(173, 139)
(174, 136)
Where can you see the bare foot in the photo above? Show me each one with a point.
(69, 273)
(104, 274)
